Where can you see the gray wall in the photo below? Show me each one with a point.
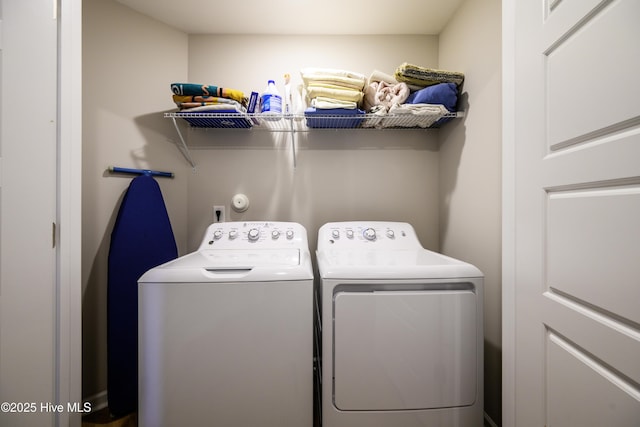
(128, 60)
(470, 169)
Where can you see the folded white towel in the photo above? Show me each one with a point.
(340, 81)
(339, 94)
(324, 103)
(333, 72)
(414, 115)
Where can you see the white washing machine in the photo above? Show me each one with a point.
(225, 333)
(402, 333)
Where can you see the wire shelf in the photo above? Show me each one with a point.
(294, 123)
(304, 123)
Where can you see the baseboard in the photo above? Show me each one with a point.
(488, 422)
(98, 401)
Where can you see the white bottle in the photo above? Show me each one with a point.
(271, 101)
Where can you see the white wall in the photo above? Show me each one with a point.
(128, 62)
(470, 168)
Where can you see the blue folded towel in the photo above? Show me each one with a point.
(442, 93)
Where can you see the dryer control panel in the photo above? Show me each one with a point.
(247, 234)
(369, 234)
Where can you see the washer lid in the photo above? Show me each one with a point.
(391, 264)
(218, 265)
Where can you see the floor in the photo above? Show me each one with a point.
(102, 418)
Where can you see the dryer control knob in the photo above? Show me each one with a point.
(275, 234)
(253, 234)
(217, 234)
(289, 234)
(350, 234)
(233, 234)
(370, 234)
(335, 234)
(391, 234)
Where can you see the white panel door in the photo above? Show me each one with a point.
(28, 80)
(572, 213)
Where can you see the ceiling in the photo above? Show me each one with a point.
(300, 16)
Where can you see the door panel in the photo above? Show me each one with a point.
(591, 80)
(598, 395)
(28, 140)
(576, 204)
(590, 234)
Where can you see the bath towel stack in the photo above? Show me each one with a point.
(334, 97)
(328, 88)
(194, 97)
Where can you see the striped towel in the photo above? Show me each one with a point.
(193, 89)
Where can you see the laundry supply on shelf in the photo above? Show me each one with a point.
(270, 100)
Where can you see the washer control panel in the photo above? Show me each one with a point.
(373, 235)
(238, 235)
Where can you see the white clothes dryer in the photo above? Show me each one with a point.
(225, 333)
(402, 330)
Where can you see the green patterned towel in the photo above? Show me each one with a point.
(421, 76)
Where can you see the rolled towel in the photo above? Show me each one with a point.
(379, 76)
(382, 93)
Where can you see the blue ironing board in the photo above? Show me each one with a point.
(141, 239)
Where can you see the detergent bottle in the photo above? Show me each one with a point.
(270, 100)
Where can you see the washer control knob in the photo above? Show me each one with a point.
(275, 234)
(350, 234)
(217, 235)
(233, 234)
(289, 234)
(390, 234)
(370, 234)
(253, 234)
(335, 234)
